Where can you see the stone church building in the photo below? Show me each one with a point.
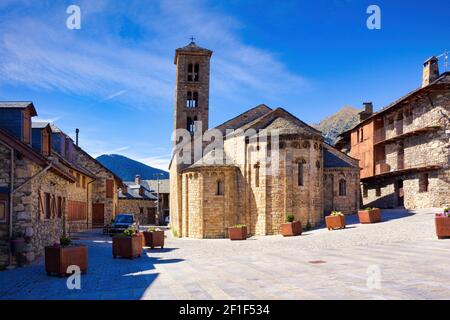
(311, 180)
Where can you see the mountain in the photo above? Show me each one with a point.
(337, 123)
(127, 168)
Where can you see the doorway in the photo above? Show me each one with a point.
(400, 193)
(98, 215)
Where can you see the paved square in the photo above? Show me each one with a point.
(399, 258)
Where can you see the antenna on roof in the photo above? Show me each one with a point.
(445, 55)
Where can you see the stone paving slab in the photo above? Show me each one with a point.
(320, 264)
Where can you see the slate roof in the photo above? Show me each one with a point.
(19, 105)
(39, 125)
(133, 192)
(164, 186)
(332, 161)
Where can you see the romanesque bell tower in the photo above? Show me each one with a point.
(192, 87)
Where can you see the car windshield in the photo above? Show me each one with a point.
(124, 219)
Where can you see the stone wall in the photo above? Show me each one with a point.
(135, 206)
(347, 204)
(5, 177)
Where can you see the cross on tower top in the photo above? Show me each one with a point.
(192, 38)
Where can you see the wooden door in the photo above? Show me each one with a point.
(151, 215)
(98, 215)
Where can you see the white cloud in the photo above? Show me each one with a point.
(39, 52)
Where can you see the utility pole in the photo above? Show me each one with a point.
(157, 196)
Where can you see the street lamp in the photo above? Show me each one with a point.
(157, 195)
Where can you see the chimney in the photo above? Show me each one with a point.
(367, 112)
(77, 132)
(430, 71)
(137, 179)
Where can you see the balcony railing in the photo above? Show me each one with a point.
(399, 131)
(382, 168)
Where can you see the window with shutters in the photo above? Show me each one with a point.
(60, 207)
(48, 205)
(109, 188)
(77, 211)
(342, 188)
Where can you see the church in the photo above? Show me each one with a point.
(311, 179)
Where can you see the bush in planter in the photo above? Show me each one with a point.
(336, 220)
(59, 257)
(238, 232)
(154, 237)
(369, 215)
(291, 227)
(127, 244)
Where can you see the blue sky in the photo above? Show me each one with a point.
(114, 78)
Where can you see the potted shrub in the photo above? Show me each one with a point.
(442, 222)
(59, 257)
(127, 245)
(291, 227)
(369, 215)
(237, 232)
(336, 220)
(154, 237)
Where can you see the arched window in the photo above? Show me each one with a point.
(342, 187)
(193, 72)
(220, 188)
(192, 99)
(190, 124)
(300, 180)
(257, 175)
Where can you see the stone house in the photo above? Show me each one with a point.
(44, 179)
(207, 197)
(136, 198)
(33, 186)
(404, 148)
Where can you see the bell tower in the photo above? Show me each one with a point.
(192, 87)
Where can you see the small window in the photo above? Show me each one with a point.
(83, 182)
(60, 207)
(78, 179)
(190, 72)
(2, 211)
(342, 188)
(257, 175)
(365, 191)
(196, 72)
(220, 188)
(191, 125)
(361, 136)
(192, 99)
(378, 191)
(423, 182)
(300, 181)
(48, 206)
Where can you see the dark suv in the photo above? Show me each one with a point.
(122, 222)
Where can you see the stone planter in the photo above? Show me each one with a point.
(442, 227)
(154, 239)
(290, 229)
(142, 238)
(335, 222)
(127, 247)
(237, 233)
(58, 259)
(369, 216)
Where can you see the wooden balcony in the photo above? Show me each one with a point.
(380, 134)
(383, 170)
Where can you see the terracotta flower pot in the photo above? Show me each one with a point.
(237, 233)
(369, 216)
(154, 239)
(127, 247)
(335, 222)
(290, 229)
(58, 259)
(442, 227)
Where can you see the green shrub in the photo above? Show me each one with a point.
(128, 232)
(447, 210)
(65, 241)
(151, 229)
(336, 213)
(290, 218)
(239, 226)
